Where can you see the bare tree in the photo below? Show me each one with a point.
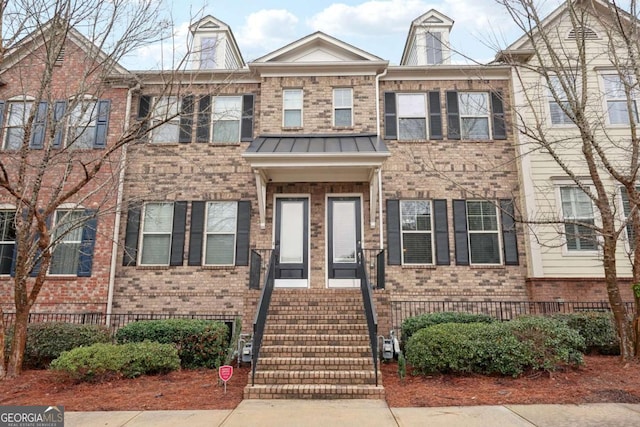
(576, 75)
(59, 167)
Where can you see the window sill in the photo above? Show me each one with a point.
(218, 267)
(292, 129)
(225, 144)
(349, 128)
(419, 266)
(164, 143)
(153, 267)
(62, 276)
(579, 254)
(487, 266)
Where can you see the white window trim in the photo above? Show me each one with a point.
(5, 125)
(488, 116)
(350, 107)
(57, 242)
(142, 234)
(560, 214)
(426, 115)
(548, 100)
(7, 208)
(284, 109)
(605, 99)
(431, 232)
(498, 231)
(213, 120)
(622, 217)
(207, 234)
(154, 105)
(79, 104)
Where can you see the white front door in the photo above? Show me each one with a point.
(292, 238)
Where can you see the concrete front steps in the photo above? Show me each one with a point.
(315, 346)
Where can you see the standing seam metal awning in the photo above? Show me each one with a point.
(316, 158)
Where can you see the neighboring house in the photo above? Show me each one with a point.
(319, 149)
(76, 118)
(564, 260)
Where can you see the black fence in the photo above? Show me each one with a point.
(502, 310)
(116, 321)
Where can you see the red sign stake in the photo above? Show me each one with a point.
(225, 372)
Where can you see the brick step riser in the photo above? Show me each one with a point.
(318, 329)
(321, 391)
(327, 319)
(314, 340)
(303, 310)
(314, 353)
(314, 364)
(309, 381)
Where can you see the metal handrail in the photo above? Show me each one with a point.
(370, 311)
(261, 313)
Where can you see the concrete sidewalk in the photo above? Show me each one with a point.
(370, 413)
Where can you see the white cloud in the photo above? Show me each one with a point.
(374, 17)
(265, 31)
(167, 54)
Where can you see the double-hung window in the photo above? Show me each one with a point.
(292, 107)
(227, 113)
(157, 227)
(621, 99)
(68, 240)
(18, 114)
(412, 116)
(557, 99)
(434, 48)
(474, 115)
(577, 214)
(82, 125)
(208, 52)
(7, 240)
(483, 229)
(343, 107)
(166, 112)
(416, 231)
(626, 208)
(221, 225)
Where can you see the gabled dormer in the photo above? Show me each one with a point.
(214, 47)
(428, 40)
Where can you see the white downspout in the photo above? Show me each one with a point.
(378, 77)
(116, 224)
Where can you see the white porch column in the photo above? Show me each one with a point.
(261, 190)
(373, 196)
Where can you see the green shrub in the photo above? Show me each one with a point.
(549, 343)
(102, 361)
(413, 324)
(597, 328)
(200, 343)
(46, 341)
(507, 348)
(485, 348)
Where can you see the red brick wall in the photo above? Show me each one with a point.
(578, 289)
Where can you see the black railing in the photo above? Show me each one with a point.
(258, 267)
(501, 310)
(374, 266)
(369, 310)
(261, 312)
(117, 320)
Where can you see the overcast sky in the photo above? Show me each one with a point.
(379, 27)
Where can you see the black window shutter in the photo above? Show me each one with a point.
(1, 115)
(435, 116)
(394, 256)
(186, 119)
(246, 133)
(130, 257)
(87, 245)
(204, 120)
(460, 230)
(144, 107)
(102, 123)
(36, 267)
(441, 226)
(196, 234)
(497, 109)
(390, 117)
(453, 116)
(39, 125)
(59, 109)
(242, 232)
(177, 236)
(509, 236)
